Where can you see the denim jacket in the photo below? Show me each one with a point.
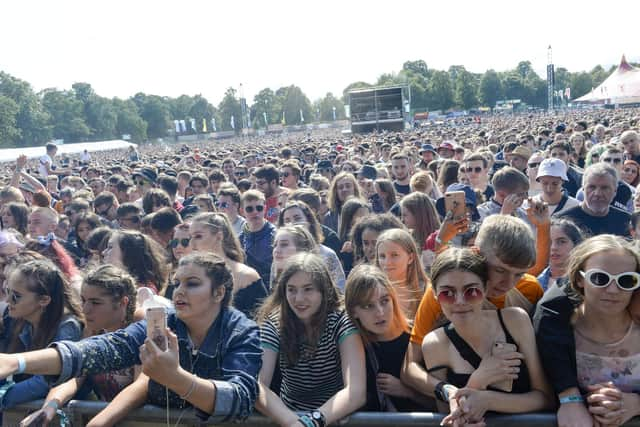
(28, 388)
(258, 248)
(230, 356)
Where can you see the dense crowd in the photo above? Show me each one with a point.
(470, 267)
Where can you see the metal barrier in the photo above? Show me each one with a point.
(80, 412)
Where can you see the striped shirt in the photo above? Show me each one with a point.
(318, 376)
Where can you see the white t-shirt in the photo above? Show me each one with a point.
(42, 166)
(85, 157)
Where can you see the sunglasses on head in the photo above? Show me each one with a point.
(612, 160)
(629, 281)
(173, 243)
(477, 169)
(533, 165)
(470, 295)
(250, 209)
(222, 205)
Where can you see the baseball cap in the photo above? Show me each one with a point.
(552, 167)
(368, 172)
(446, 146)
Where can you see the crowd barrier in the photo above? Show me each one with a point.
(80, 412)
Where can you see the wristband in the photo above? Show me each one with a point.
(571, 399)
(53, 404)
(22, 365)
(306, 421)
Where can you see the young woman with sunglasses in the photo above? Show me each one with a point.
(108, 302)
(592, 352)
(306, 333)
(211, 362)
(212, 232)
(372, 304)
(42, 309)
(486, 360)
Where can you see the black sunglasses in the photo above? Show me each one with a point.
(173, 243)
(222, 205)
(139, 182)
(533, 165)
(610, 160)
(477, 169)
(239, 173)
(249, 209)
(285, 174)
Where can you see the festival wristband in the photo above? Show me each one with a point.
(571, 399)
(22, 365)
(306, 421)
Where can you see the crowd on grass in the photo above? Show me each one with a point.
(468, 267)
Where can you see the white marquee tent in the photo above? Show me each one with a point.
(621, 87)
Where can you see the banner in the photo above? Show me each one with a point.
(264, 115)
(233, 122)
(183, 126)
(204, 125)
(193, 125)
(567, 93)
(213, 124)
(284, 122)
(301, 116)
(176, 123)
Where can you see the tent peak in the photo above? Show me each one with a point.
(624, 65)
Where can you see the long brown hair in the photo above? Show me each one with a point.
(45, 279)
(362, 282)
(335, 205)
(292, 330)
(425, 214)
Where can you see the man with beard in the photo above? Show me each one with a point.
(401, 169)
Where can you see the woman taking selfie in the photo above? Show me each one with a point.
(211, 362)
(495, 365)
(306, 333)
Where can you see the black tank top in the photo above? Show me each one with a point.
(520, 385)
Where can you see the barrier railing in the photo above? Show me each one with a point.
(80, 412)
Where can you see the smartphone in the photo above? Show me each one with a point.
(454, 201)
(501, 348)
(157, 326)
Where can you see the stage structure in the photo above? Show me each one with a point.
(379, 108)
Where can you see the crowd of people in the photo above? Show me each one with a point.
(310, 276)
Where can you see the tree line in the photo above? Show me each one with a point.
(78, 114)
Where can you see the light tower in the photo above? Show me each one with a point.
(550, 79)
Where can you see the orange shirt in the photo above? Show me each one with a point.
(429, 312)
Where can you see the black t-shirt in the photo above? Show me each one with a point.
(615, 222)
(623, 195)
(390, 356)
(402, 189)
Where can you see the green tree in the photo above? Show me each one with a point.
(598, 75)
(490, 88)
(202, 109)
(67, 115)
(32, 120)
(466, 90)
(154, 110)
(326, 106)
(418, 67)
(9, 132)
(128, 120)
(581, 84)
(230, 107)
(440, 91)
(295, 101)
(180, 107)
(101, 117)
(263, 102)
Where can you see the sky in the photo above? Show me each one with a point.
(194, 47)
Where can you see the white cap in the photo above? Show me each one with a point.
(552, 167)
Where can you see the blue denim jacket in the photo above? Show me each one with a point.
(230, 356)
(28, 388)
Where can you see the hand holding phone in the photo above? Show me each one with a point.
(157, 326)
(454, 202)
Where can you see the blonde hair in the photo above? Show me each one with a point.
(362, 282)
(416, 277)
(509, 239)
(595, 245)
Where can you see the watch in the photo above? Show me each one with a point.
(441, 392)
(318, 418)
